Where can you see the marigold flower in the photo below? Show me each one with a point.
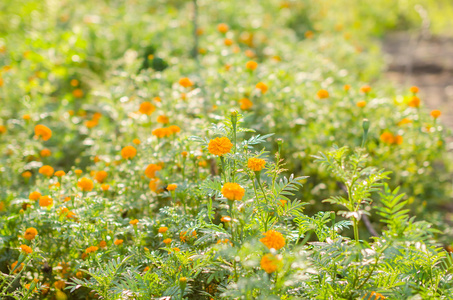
(309, 34)
(233, 191)
(223, 28)
(2, 129)
(85, 184)
(251, 65)
(270, 263)
(435, 113)
(365, 89)
(375, 296)
(246, 104)
(34, 196)
(151, 170)
(414, 89)
(184, 154)
(146, 269)
(45, 152)
(46, 170)
(162, 229)
(77, 93)
(154, 185)
(163, 119)
(414, 102)
(101, 176)
(26, 249)
(398, 140)
(185, 82)
(220, 146)
(45, 201)
(91, 249)
(225, 219)
(136, 141)
(273, 239)
(102, 244)
(43, 131)
(322, 94)
(133, 222)
(228, 42)
(387, 137)
(262, 87)
(361, 104)
(19, 268)
(118, 242)
(60, 173)
(256, 164)
(60, 284)
(171, 187)
(78, 172)
(146, 108)
(105, 187)
(176, 249)
(162, 132)
(30, 233)
(167, 241)
(404, 121)
(26, 174)
(128, 152)
(174, 129)
(346, 87)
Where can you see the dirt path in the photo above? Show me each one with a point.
(426, 63)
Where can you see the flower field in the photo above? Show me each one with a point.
(217, 150)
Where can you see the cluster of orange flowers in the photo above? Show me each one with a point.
(389, 138)
(272, 240)
(166, 131)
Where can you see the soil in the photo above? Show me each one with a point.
(426, 62)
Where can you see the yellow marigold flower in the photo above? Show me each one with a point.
(105, 187)
(154, 185)
(262, 87)
(118, 242)
(223, 28)
(167, 241)
(225, 219)
(172, 187)
(233, 191)
(404, 121)
(220, 146)
(435, 113)
(45, 152)
(414, 102)
(251, 65)
(146, 108)
(174, 129)
(185, 82)
(270, 263)
(414, 89)
(30, 233)
(77, 93)
(246, 104)
(46, 170)
(256, 164)
(102, 244)
(43, 131)
(34, 196)
(85, 184)
(26, 174)
(60, 173)
(151, 170)
(163, 119)
(346, 87)
(26, 249)
(273, 239)
(78, 172)
(128, 152)
(162, 229)
(322, 94)
(101, 176)
(387, 137)
(361, 104)
(91, 249)
(136, 141)
(133, 222)
(365, 89)
(45, 201)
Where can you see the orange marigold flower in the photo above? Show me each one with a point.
(2, 129)
(398, 140)
(270, 263)
(309, 34)
(136, 141)
(256, 164)
(118, 242)
(167, 241)
(60, 284)
(273, 239)
(251, 65)
(45, 152)
(262, 87)
(246, 104)
(43, 131)
(26, 174)
(60, 173)
(414, 89)
(154, 185)
(185, 82)
(184, 154)
(233, 191)
(346, 87)
(146, 108)
(225, 219)
(162, 229)
(387, 137)
(128, 152)
(223, 28)
(174, 129)
(162, 132)
(171, 187)
(228, 42)
(102, 244)
(45, 201)
(78, 172)
(435, 113)
(34, 196)
(176, 249)
(30, 233)
(19, 268)
(26, 117)
(101, 176)
(105, 187)
(361, 104)
(91, 249)
(322, 94)
(220, 146)
(151, 170)
(375, 296)
(404, 121)
(133, 222)
(414, 102)
(77, 93)
(85, 184)
(365, 89)
(26, 249)
(74, 82)
(46, 170)
(163, 119)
